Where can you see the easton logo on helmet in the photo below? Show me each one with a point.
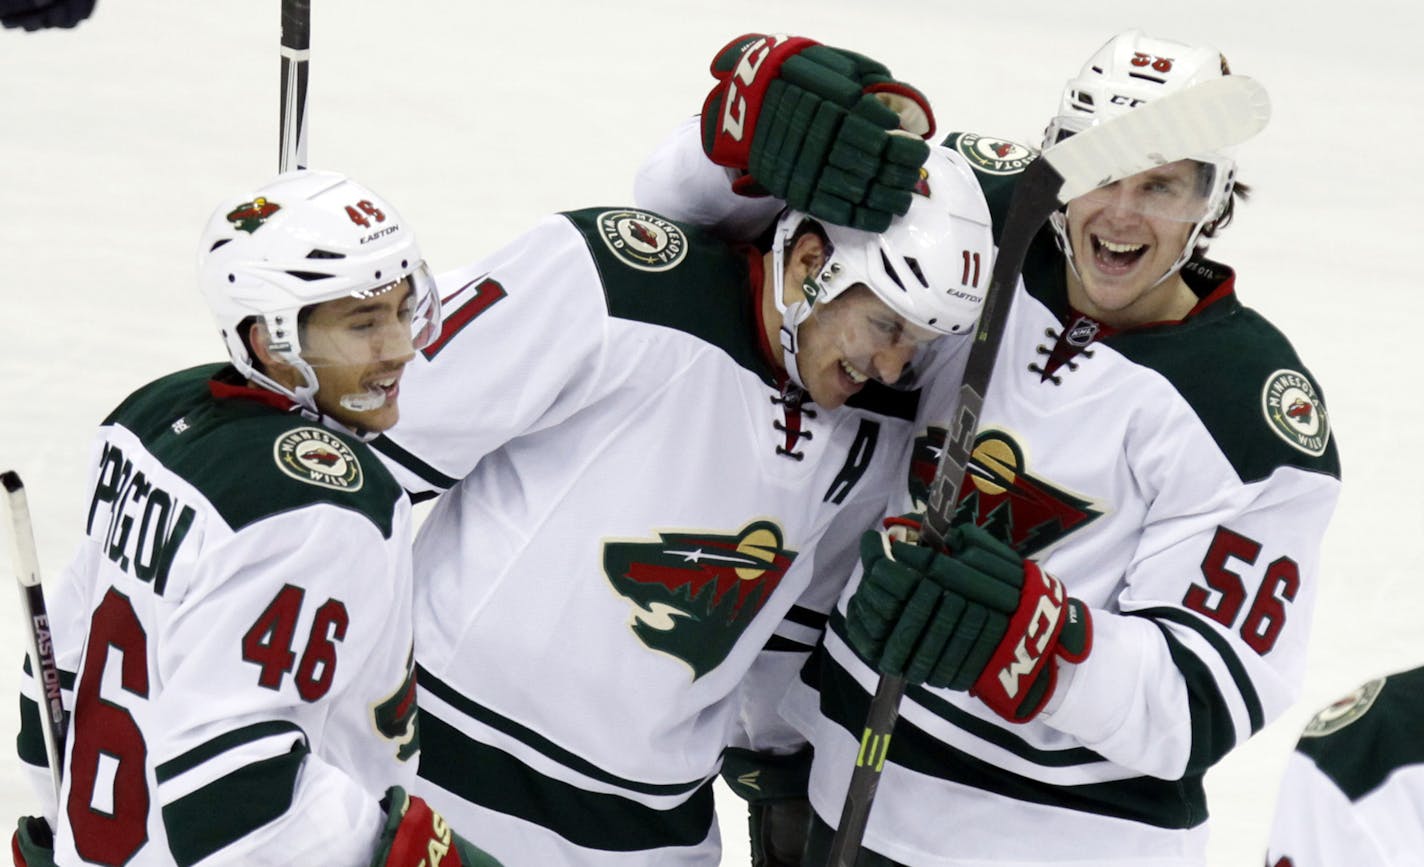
(249, 216)
(694, 594)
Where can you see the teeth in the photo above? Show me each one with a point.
(1115, 247)
(855, 375)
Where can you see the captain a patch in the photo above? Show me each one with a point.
(318, 457)
(642, 240)
(1295, 412)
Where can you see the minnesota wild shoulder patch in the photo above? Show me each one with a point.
(994, 156)
(318, 457)
(642, 240)
(1295, 412)
(1344, 711)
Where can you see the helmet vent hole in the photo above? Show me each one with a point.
(308, 276)
(919, 274)
(325, 254)
(218, 243)
(890, 270)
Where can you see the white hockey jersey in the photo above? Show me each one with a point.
(636, 504)
(1353, 789)
(1177, 478)
(238, 616)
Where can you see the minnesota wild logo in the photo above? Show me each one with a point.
(694, 594)
(395, 718)
(249, 216)
(999, 494)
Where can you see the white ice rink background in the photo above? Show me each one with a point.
(117, 138)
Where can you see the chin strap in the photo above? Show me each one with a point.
(792, 315)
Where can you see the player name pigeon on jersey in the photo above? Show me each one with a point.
(235, 587)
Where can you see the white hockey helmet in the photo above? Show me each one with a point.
(931, 265)
(305, 238)
(1131, 69)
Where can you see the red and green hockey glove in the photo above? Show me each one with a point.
(829, 131)
(417, 836)
(33, 843)
(977, 617)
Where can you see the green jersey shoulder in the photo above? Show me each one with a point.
(1363, 738)
(249, 459)
(666, 273)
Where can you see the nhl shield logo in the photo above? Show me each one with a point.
(642, 240)
(318, 457)
(1295, 412)
(694, 594)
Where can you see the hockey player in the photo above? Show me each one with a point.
(235, 630)
(1162, 458)
(1353, 790)
(652, 439)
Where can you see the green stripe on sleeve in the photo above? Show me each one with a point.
(222, 743)
(1223, 649)
(228, 809)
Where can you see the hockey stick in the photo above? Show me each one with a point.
(1200, 119)
(41, 648)
(296, 50)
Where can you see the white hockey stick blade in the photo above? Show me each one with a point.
(22, 537)
(1204, 118)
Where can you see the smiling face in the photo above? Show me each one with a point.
(851, 339)
(357, 347)
(1126, 236)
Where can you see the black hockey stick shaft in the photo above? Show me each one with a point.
(1035, 198)
(41, 647)
(296, 51)
(1201, 119)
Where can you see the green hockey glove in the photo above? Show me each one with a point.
(977, 617)
(417, 836)
(829, 131)
(33, 843)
